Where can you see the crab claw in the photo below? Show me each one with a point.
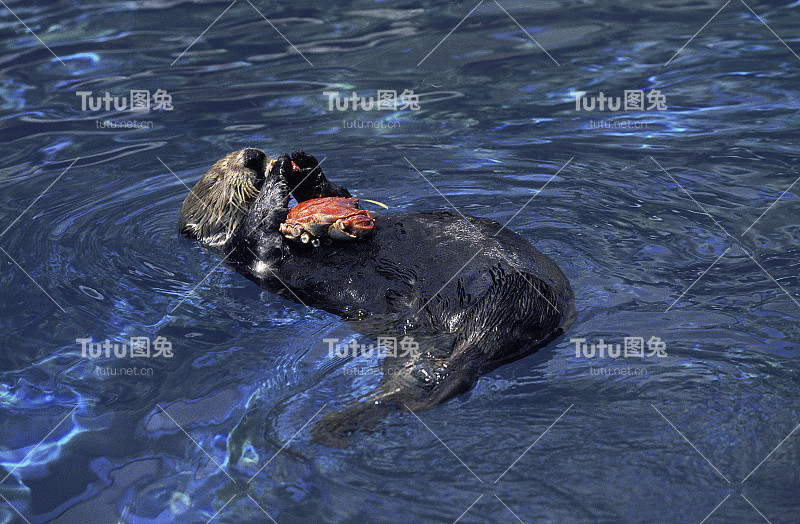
(351, 228)
(305, 238)
(289, 230)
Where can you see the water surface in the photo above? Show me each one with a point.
(642, 203)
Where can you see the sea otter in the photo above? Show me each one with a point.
(471, 293)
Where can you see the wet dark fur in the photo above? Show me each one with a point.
(503, 304)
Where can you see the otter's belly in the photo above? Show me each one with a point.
(415, 260)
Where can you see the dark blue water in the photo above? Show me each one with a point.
(645, 201)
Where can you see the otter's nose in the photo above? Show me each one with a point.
(254, 159)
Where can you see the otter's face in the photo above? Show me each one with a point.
(220, 200)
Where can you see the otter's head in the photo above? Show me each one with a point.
(219, 201)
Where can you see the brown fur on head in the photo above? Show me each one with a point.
(220, 200)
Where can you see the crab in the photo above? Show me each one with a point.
(330, 217)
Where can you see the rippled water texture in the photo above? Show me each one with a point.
(634, 215)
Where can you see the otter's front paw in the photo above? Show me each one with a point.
(305, 178)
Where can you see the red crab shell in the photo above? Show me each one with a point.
(333, 217)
